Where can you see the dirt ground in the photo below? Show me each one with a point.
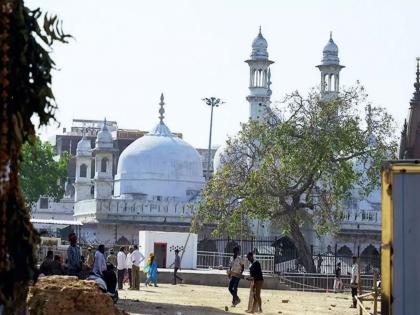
(187, 299)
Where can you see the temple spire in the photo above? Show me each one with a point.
(416, 95)
(161, 109)
(417, 84)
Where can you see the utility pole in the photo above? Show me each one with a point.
(212, 102)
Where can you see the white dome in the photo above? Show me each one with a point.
(104, 138)
(218, 157)
(259, 48)
(330, 53)
(159, 164)
(83, 147)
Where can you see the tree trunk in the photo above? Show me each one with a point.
(302, 248)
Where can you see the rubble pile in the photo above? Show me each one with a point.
(68, 295)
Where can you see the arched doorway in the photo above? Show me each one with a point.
(123, 241)
(285, 249)
(370, 259)
(344, 251)
(207, 245)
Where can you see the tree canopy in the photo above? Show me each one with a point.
(41, 172)
(299, 164)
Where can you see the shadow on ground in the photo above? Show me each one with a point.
(152, 308)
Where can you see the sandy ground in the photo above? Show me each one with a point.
(204, 300)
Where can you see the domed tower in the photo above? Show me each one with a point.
(83, 180)
(104, 149)
(330, 70)
(159, 166)
(259, 78)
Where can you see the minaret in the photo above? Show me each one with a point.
(83, 180)
(330, 70)
(259, 78)
(410, 146)
(104, 148)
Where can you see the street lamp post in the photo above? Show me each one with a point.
(212, 102)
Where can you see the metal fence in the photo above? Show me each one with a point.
(326, 264)
(216, 260)
(321, 283)
(263, 246)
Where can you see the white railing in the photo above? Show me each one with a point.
(216, 260)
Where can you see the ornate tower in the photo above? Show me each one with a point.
(259, 78)
(330, 70)
(83, 180)
(410, 136)
(104, 148)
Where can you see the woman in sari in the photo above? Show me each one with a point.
(150, 269)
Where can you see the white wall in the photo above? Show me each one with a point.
(188, 250)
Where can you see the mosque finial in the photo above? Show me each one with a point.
(260, 30)
(161, 110)
(330, 35)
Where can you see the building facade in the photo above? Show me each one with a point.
(121, 181)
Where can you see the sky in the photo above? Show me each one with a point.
(125, 53)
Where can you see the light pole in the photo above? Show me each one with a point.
(212, 102)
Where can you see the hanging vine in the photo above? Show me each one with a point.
(25, 81)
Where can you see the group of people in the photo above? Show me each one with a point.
(127, 263)
(235, 274)
(52, 265)
(354, 280)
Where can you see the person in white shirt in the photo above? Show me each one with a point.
(121, 267)
(136, 258)
(236, 269)
(100, 263)
(129, 265)
(354, 281)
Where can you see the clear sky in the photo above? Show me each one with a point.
(125, 53)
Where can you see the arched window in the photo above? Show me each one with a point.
(345, 251)
(83, 170)
(104, 163)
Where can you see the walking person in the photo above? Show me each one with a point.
(121, 267)
(257, 279)
(151, 270)
(136, 258)
(236, 268)
(99, 264)
(354, 281)
(177, 266)
(74, 259)
(129, 265)
(338, 284)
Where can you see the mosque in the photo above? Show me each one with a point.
(158, 179)
(159, 176)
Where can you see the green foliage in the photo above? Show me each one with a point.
(25, 80)
(300, 164)
(41, 172)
